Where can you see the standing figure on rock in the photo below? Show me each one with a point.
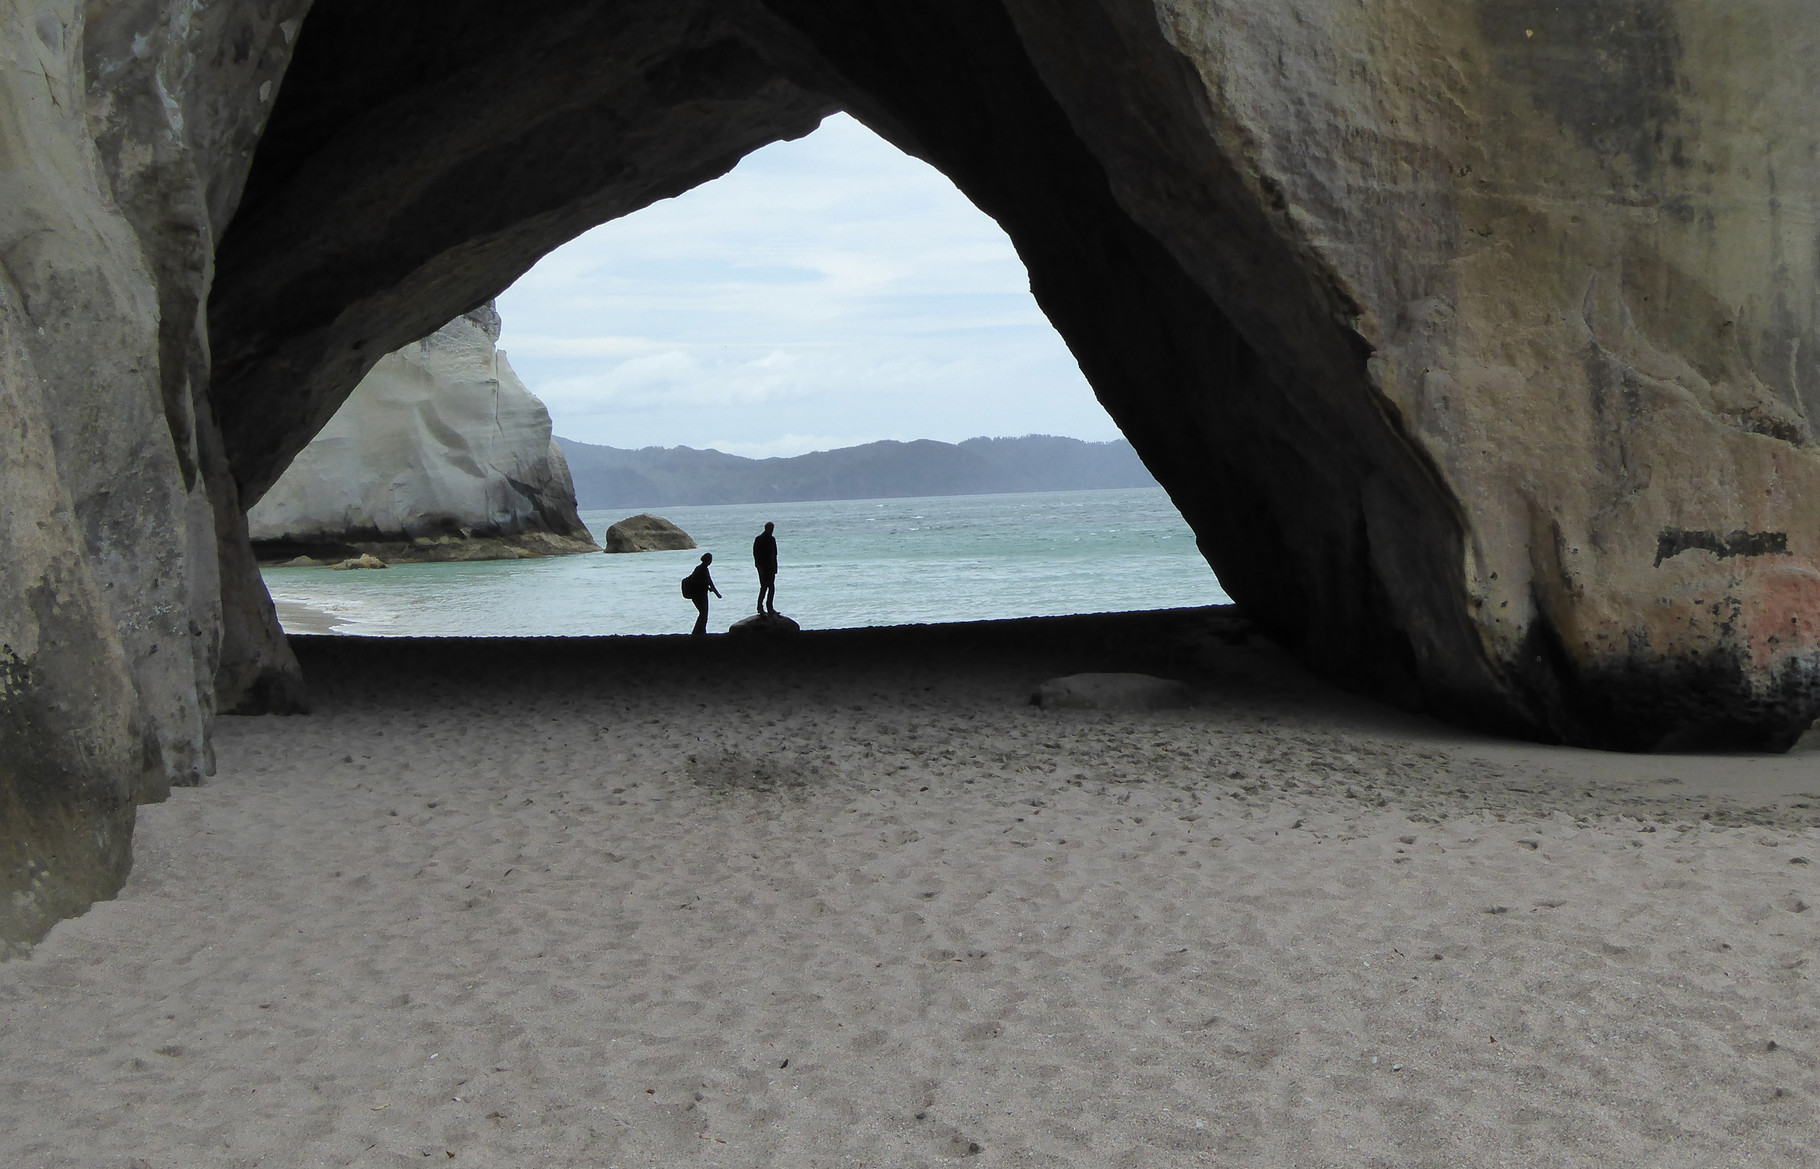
(696, 586)
(764, 558)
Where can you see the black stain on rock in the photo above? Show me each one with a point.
(1674, 541)
(1645, 700)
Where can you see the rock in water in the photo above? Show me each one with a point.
(364, 560)
(1111, 692)
(645, 533)
(765, 625)
(440, 453)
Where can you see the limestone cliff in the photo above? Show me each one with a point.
(440, 453)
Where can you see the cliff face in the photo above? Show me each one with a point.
(1525, 274)
(125, 136)
(440, 453)
(1478, 340)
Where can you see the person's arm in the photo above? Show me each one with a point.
(711, 588)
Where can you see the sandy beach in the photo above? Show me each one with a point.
(303, 618)
(648, 902)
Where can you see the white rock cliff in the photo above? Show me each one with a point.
(440, 453)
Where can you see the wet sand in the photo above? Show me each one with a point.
(298, 618)
(644, 901)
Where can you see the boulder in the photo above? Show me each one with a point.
(645, 533)
(440, 453)
(1112, 692)
(364, 560)
(765, 625)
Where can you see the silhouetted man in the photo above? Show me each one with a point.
(764, 558)
(696, 587)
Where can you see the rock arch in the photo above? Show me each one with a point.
(1475, 340)
(683, 94)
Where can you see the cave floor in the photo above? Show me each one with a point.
(851, 899)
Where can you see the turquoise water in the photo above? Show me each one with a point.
(841, 563)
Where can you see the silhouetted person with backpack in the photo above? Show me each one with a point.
(764, 558)
(696, 586)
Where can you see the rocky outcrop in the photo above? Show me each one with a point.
(645, 533)
(1478, 340)
(440, 453)
(364, 560)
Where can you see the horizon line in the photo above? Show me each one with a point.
(853, 446)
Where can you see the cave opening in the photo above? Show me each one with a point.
(413, 167)
(853, 348)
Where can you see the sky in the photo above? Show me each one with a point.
(827, 292)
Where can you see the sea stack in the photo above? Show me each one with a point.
(440, 453)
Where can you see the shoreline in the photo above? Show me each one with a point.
(301, 619)
(424, 550)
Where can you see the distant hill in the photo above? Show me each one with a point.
(607, 477)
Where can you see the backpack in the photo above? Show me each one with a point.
(690, 588)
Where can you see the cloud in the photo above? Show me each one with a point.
(547, 345)
(831, 285)
(679, 379)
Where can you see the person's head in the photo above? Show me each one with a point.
(768, 526)
(707, 558)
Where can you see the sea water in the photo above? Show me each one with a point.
(841, 563)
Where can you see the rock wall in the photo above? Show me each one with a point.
(440, 453)
(1571, 249)
(125, 134)
(1475, 338)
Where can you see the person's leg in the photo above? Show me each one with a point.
(701, 617)
(763, 584)
(767, 593)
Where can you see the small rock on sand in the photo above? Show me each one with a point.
(770, 624)
(1111, 692)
